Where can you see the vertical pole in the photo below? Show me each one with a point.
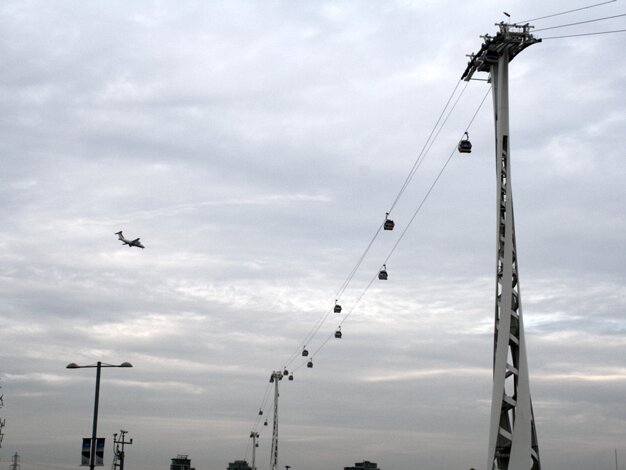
(254, 436)
(277, 376)
(92, 457)
(616, 459)
(122, 453)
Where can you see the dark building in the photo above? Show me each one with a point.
(366, 464)
(239, 465)
(181, 462)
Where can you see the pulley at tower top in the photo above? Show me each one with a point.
(512, 38)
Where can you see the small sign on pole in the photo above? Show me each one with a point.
(99, 451)
(86, 452)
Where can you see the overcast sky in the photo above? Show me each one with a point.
(255, 146)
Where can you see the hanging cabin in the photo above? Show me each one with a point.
(382, 274)
(389, 224)
(465, 146)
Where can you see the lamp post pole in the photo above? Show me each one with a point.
(94, 432)
(98, 366)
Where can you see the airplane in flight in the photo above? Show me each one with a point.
(130, 243)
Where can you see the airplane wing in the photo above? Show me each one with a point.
(136, 240)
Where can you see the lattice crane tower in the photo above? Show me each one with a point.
(512, 434)
(276, 377)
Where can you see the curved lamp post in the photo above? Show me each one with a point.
(99, 365)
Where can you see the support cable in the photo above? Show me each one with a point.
(338, 295)
(568, 11)
(421, 204)
(580, 22)
(262, 407)
(259, 417)
(358, 300)
(432, 186)
(586, 34)
(421, 156)
(422, 153)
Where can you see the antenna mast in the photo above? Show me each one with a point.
(512, 434)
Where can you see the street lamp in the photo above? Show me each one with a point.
(99, 365)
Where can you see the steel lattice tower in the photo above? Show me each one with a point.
(512, 434)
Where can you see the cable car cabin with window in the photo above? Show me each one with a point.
(310, 364)
(305, 353)
(337, 308)
(389, 224)
(338, 334)
(465, 146)
(382, 274)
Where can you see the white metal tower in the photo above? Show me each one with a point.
(2, 421)
(512, 434)
(254, 436)
(276, 377)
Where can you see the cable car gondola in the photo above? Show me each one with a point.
(465, 146)
(337, 307)
(305, 353)
(285, 372)
(310, 364)
(382, 274)
(290, 376)
(389, 224)
(338, 333)
(260, 412)
(265, 423)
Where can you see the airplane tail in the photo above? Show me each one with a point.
(119, 235)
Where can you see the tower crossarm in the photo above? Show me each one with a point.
(513, 37)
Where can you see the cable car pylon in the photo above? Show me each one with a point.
(513, 441)
(276, 377)
(254, 436)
